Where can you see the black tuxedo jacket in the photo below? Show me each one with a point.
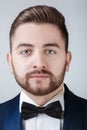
(75, 115)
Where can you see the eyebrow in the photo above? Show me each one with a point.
(51, 45)
(45, 45)
(24, 45)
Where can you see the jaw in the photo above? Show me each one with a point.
(42, 100)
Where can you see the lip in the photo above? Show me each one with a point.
(39, 76)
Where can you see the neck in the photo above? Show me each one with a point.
(41, 100)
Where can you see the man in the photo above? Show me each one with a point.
(39, 59)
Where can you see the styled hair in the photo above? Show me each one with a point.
(40, 14)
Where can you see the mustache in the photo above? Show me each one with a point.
(42, 71)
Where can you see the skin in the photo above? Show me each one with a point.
(39, 61)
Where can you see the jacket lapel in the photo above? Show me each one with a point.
(73, 117)
(12, 116)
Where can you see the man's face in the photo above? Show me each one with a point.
(38, 59)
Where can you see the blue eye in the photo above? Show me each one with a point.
(51, 52)
(26, 52)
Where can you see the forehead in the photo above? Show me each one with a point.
(37, 33)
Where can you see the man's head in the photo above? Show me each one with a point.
(39, 54)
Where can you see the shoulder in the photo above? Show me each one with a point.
(9, 104)
(75, 100)
(75, 108)
(7, 108)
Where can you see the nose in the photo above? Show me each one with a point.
(39, 62)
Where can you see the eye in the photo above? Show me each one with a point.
(51, 52)
(26, 52)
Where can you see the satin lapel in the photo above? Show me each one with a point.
(72, 116)
(13, 117)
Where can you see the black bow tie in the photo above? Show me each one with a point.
(53, 109)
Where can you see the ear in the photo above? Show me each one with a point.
(68, 60)
(9, 60)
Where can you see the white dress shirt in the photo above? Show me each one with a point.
(42, 121)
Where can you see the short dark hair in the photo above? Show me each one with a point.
(40, 14)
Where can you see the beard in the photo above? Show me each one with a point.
(38, 90)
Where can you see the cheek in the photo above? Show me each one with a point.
(22, 65)
(57, 67)
(19, 67)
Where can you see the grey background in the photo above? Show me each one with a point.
(75, 12)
